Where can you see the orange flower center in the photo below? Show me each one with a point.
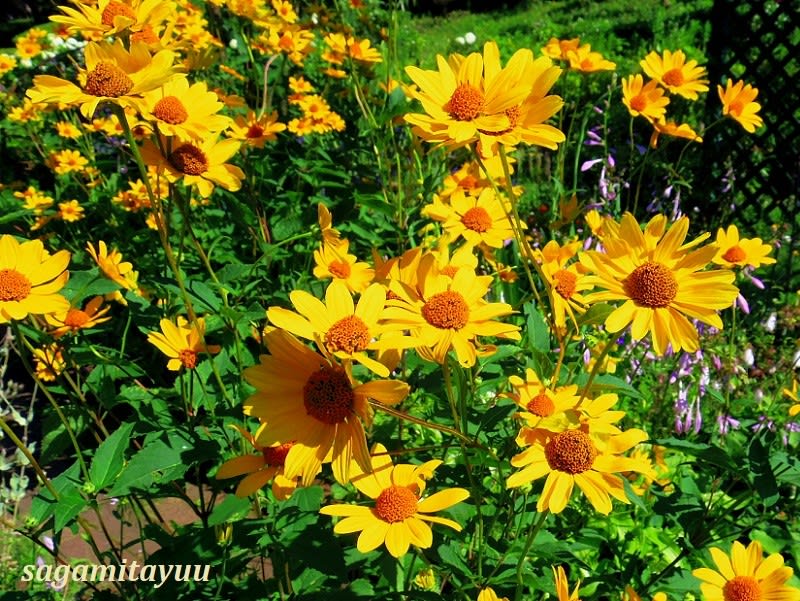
(466, 103)
(651, 285)
(76, 318)
(349, 334)
(395, 504)
(339, 269)
(108, 80)
(742, 588)
(276, 456)
(450, 271)
(255, 131)
(735, 254)
(477, 220)
(13, 285)
(188, 358)
(328, 395)
(565, 282)
(673, 77)
(147, 36)
(639, 103)
(513, 115)
(735, 108)
(469, 182)
(116, 9)
(189, 159)
(170, 110)
(446, 310)
(541, 405)
(572, 452)
(587, 64)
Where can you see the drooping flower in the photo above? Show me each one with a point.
(74, 319)
(674, 130)
(647, 100)
(738, 103)
(398, 518)
(112, 74)
(181, 342)
(675, 73)
(30, 279)
(305, 398)
(112, 265)
(660, 282)
(267, 465)
(741, 251)
(448, 312)
(746, 575)
(562, 586)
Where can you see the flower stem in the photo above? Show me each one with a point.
(528, 542)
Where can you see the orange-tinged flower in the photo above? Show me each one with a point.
(112, 265)
(70, 211)
(256, 131)
(333, 261)
(67, 161)
(74, 319)
(559, 49)
(741, 251)
(400, 514)
(738, 103)
(109, 17)
(647, 100)
(566, 281)
(488, 594)
(181, 342)
(672, 129)
(48, 362)
(675, 73)
(30, 279)
(584, 60)
(632, 595)
(67, 129)
(562, 586)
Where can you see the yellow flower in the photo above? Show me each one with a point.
(448, 313)
(260, 469)
(112, 74)
(70, 211)
(7, 63)
(647, 100)
(584, 60)
(673, 129)
(285, 10)
(48, 362)
(187, 112)
(181, 342)
(302, 397)
(330, 235)
(425, 579)
(67, 129)
(738, 102)
(562, 586)
(741, 251)
(74, 319)
(256, 131)
(545, 408)
(398, 518)
(333, 261)
(109, 17)
(559, 49)
(479, 220)
(35, 200)
(567, 282)
(112, 265)
(792, 395)
(488, 594)
(30, 278)
(673, 72)
(631, 595)
(361, 51)
(339, 327)
(660, 282)
(67, 161)
(300, 85)
(459, 100)
(575, 456)
(746, 576)
(200, 163)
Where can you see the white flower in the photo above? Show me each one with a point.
(771, 323)
(749, 357)
(470, 38)
(234, 43)
(460, 39)
(796, 359)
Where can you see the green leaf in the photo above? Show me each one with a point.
(607, 383)
(595, 315)
(538, 332)
(13, 216)
(108, 459)
(758, 457)
(202, 292)
(232, 509)
(67, 508)
(158, 461)
(709, 453)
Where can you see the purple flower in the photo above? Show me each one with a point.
(726, 423)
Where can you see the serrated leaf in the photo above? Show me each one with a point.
(232, 509)
(158, 461)
(67, 508)
(109, 457)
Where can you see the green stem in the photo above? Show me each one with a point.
(528, 542)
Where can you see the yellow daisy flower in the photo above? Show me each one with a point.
(200, 163)
(181, 342)
(562, 586)
(30, 278)
(112, 265)
(488, 594)
(660, 284)
(792, 395)
(575, 456)
(632, 595)
(74, 319)
(584, 60)
(675, 73)
(67, 129)
(339, 327)
(741, 251)
(256, 131)
(7, 63)
(302, 397)
(112, 74)
(398, 518)
(70, 211)
(566, 281)
(260, 469)
(109, 17)
(330, 235)
(458, 103)
(738, 103)
(746, 576)
(545, 408)
(48, 362)
(333, 261)
(448, 313)
(672, 129)
(479, 220)
(187, 112)
(67, 161)
(559, 49)
(647, 100)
